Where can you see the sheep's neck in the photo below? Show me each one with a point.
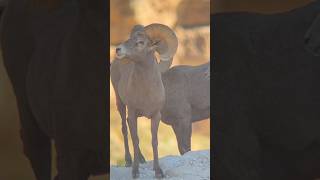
(146, 77)
(148, 61)
(144, 70)
(145, 88)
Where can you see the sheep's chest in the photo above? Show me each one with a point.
(146, 94)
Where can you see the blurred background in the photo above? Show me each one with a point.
(190, 19)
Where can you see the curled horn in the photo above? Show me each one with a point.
(167, 43)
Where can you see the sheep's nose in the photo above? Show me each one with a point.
(118, 50)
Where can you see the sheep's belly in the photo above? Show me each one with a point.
(148, 111)
(145, 101)
(147, 108)
(140, 113)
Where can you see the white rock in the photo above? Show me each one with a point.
(194, 165)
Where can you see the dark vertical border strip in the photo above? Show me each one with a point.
(212, 118)
(106, 29)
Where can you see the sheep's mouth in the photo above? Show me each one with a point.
(120, 52)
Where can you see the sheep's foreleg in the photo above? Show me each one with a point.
(132, 121)
(125, 139)
(122, 111)
(126, 146)
(154, 130)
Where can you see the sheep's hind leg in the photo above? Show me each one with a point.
(187, 137)
(154, 130)
(179, 138)
(132, 121)
(183, 130)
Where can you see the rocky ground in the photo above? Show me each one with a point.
(194, 165)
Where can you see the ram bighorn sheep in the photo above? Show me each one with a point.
(137, 81)
(266, 95)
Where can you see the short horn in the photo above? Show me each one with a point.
(167, 42)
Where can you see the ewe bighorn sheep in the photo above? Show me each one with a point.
(266, 95)
(187, 91)
(55, 59)
(138, 84)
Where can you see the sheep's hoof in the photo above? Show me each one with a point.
(159, 173)
(135, 173)
(128, 163)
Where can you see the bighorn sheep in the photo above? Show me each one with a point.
(266, 95)
(136, 78)
(187, 90)
(55, 59)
